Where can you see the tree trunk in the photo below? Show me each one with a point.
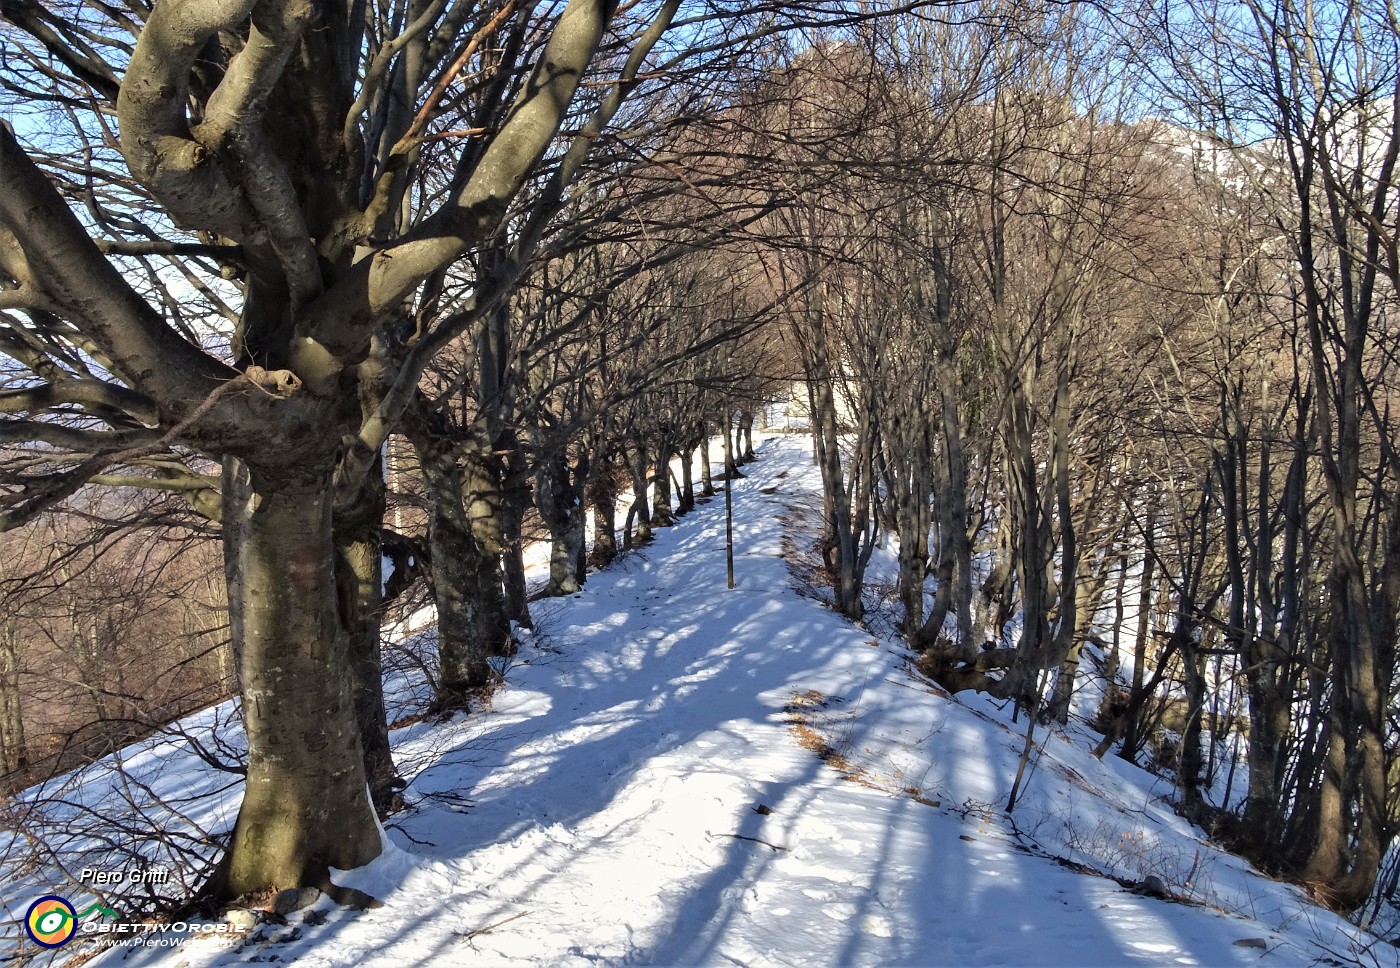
(686, 499)
(484, 492)
(909, 471)
(1086, 604)
(913, 569)
(1189, 764)
(468, 628)
(744, 438)
(234, 487)
(1067, 607)
(661, 513)
(306, 806)
(1269, 682)
(13, 756)
(993, 602)
(558, 497)
(731, 462)
(1132, 736)
(637, 465)
(1031, 539)
(954, 591)
(707, 480)
(517, 497)
(841, 553)
(602, 495)
(497, 475)
(1112, 661)
(954, 504)
(359, 570)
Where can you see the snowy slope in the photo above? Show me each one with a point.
(680, 774)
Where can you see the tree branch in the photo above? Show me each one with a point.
(85, 64)
(60, 487)
(233, 117)
(74, 439)
(223, 253)
(76, 277)
(156, 140)
(339, 323)
(93, 394)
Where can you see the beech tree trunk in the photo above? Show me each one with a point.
(641, 510)
(517, 498)
(13, 756)
(1189, 764)
(955, 547)
(468, 628)
(842, 538)
(1086, 604)
(358, 528)
(910, 467)
(661, 514)
(686, 499)
(707, 480)
(305, 806)
(559, 499)
(744, 438)
(731, 462)
(602, 495)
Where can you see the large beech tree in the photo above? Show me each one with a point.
(278, 143)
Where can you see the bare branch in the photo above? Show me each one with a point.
(78, 278)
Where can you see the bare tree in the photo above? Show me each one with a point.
(1322, 83)
(280, 138)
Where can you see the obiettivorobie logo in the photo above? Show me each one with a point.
(52, 922)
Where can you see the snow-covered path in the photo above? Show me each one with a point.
(639, 795)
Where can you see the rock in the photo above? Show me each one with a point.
(1252, 943)
(1152, 886)
(242, 918)
(294, 899)
(285, 936)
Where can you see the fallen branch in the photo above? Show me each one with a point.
(491, 927)
(753, 839)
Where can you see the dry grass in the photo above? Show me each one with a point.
(799, 712)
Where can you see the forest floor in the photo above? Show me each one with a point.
(676, 773)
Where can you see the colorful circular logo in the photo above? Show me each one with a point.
(51, 921)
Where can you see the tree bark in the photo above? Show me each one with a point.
(1188, 772)
(13, 755)
(661, 514)
(559, 499)
(359, 528)
(909, 467)
(602, 495)
(843, 551)
(686, 499)
(1086, 604)
(707, 481)
(1132, 735)
(305, 806)
(517, 497)
(954, 526)
(468, 628)
(744, 438)
(641, 510)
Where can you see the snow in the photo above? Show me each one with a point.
(650, 789)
